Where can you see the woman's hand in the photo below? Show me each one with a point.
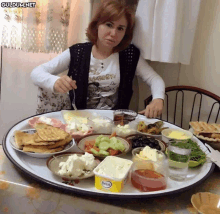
(154, 109)
(64, 84)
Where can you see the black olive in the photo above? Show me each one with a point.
(150, 139)
(151, 145)
(158, 147)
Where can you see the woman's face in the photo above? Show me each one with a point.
(111, 33)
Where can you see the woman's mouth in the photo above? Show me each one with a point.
(111, 41)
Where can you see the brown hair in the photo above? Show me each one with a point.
(110, 10)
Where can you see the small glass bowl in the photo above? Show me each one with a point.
(137, 150)
(148, 176)
(124, 114)
(124, 128)
(165, 135)
(101, 124)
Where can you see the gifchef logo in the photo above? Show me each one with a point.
(107, 184)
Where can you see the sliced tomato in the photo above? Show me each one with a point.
(88, 150)
(96, 148)
(113, 151)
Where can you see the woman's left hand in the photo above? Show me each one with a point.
(154, 109)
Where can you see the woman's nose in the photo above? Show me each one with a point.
(113, 32)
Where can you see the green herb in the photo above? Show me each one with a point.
(196, 153)
(178, 157)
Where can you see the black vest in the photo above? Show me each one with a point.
(79, 70)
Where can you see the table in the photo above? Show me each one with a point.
(21, 194)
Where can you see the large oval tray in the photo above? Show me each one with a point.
(41, 173)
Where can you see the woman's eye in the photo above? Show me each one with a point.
(120, 28)
(109, 24)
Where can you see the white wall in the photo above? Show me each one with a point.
(18, 94)
(204, 69)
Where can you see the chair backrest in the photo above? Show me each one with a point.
(188, 103)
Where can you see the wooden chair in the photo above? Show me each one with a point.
(187, 103)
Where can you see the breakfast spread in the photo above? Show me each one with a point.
(148, 169)
(153, 128)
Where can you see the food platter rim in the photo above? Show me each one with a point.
(92, 193)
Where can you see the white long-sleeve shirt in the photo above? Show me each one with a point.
(106, 71)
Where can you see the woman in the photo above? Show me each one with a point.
(108, 59)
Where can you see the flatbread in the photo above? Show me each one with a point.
(37, 138)
(22, 139)
(47, 139)
(41, 149)
(206, 131)
(61, 143)
(203, 127)
(50, 133)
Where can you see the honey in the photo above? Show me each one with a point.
(148, 180)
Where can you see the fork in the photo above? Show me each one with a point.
(73, 101)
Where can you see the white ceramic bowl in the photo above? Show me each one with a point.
(166, 132)
(54, 161)
(92, 137)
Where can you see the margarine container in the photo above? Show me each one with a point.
(112, 173)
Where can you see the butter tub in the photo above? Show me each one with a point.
(112, 173)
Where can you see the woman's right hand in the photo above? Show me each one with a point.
(64, 84)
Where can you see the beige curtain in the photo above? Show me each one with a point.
(41, 27)
(165, 29)
(79, 20)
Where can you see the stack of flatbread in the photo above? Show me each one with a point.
(46, 139)
(205, 131)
